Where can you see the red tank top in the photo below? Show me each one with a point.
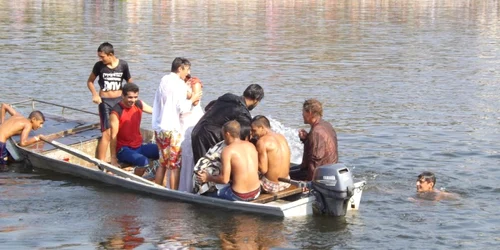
(129, 132)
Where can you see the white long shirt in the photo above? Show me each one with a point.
(170, 102)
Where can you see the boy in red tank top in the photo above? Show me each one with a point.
(126, 138)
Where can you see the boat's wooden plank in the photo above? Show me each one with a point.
(105, 165)
(264, 198)
(74, 130)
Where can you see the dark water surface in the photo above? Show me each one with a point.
(409, 85)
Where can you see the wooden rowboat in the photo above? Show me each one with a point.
(72, 147)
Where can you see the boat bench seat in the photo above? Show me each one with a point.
(265, 198)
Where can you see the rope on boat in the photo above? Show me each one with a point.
(63, 106)
(357, 190)
(33, 100)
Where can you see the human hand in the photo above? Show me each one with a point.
(96, 99)
(42, 138)
(196, 97)
(302, 134)
(202, 176)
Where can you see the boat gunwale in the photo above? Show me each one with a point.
(267, 209)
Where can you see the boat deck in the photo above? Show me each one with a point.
(268, 197)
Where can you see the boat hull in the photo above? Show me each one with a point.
(83, 137)
(62, 162)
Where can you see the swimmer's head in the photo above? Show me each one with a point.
(426, 182)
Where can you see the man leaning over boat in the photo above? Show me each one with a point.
(17, 125)
(207, 131)
(126, 138)
(239, 167)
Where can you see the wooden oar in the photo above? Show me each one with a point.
(17, 156)
(295, 183)
(102, 164)
(73, 130)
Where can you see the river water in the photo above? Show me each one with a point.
(409, 86)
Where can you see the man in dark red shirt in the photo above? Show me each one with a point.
(320, 144)
(126, 139)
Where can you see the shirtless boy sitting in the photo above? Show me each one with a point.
(239, 164)
(274, 155)
(15, 125)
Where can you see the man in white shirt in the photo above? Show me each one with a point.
(170, 102)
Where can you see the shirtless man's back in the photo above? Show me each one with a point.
(18, 124)
(244, 166)
(278, 155)
(239, 165)
(274, 154)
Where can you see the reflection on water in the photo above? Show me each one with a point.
(128, 238)
(247, 232)
(408, 85)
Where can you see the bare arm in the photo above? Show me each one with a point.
(24, 136)
(196, 89)
(6, 108)
(114, 123)
(261, 149)
(146, 108)
(90, 84)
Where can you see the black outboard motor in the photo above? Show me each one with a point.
(333, 187)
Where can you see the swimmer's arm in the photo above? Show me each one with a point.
(24, 136)
(443, 195)
(6, 108)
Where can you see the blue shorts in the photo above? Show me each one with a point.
(140, 156)
(227, 193)
(4, 154)
(105, 108)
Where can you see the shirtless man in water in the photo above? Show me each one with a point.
(274, 155)
(15, 125)
(239, 164)
(426, 182)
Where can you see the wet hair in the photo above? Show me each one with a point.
(261, 121)
(37, 115)
(244, 132)
(254, 92)
(106, 48)
(130, 87)
(178, 63)
(313, 106)
(428, 177)
(233, 128)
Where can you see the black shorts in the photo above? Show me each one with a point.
(105, 108)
